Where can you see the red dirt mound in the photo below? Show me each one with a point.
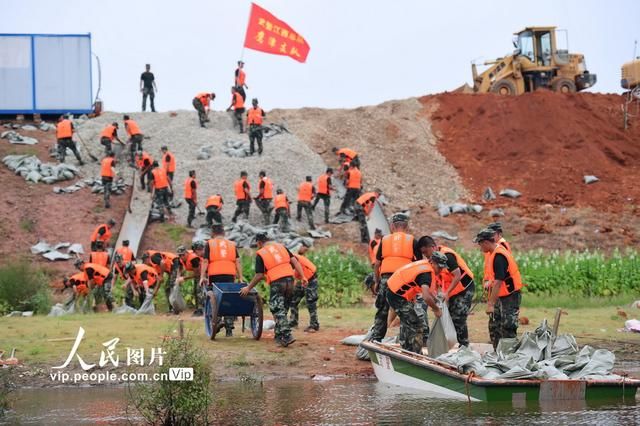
(541, 144)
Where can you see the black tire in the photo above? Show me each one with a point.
(257, 318)
(563, 85)
(213, 318)
(504, 87)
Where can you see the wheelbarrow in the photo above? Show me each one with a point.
(224, 299)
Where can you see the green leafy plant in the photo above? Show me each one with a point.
(23, 287)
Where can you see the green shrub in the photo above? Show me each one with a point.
(340, 276)
(572, 274)
(169, 402)
(23, 287)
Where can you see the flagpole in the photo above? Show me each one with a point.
(245, 34)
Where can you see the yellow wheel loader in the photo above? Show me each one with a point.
(536, 63)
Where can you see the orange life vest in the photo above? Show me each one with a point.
(397, 251)
(190, 193)
(145, 157)
(280, 202)
(241, 77)
(305, 191)
(513, 282)
(323, 184)
(447, 277)
(308, 268)
(160, 178)
(364, 201)
(167, 260)
(214, 201)
(105, 237)
(171, 164)
(64, 129)
(254, 116)
(106, 167)
(355, 178)
(267, 192)
(126, 253)
(132, 127)
(222, 257)
(187, 262)
(238, 102)
(204, 99)
(504, 244)
(348, 153)
(79, 283)
(277, 262)
(100, 273)
(403, 281)
(152, 275)
(238, 187)
(108, 131)
(100, 258)
(373, 249)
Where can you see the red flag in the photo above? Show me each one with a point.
(267, 33)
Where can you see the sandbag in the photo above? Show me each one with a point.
(124, 309)
(147, 307)
(442, 336)
(353, 340)
(176, 300)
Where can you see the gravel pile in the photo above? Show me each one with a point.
(396, 145)
(286, 159)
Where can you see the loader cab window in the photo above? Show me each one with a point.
(543, 49)
(525, 44)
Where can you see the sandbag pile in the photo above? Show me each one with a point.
(53, 253)
(117, 188)
(236, 149)
(536, 355)
(33, 170)
(16, 138)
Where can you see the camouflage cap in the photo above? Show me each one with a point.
(485, 235)
(439, 259)
(495, 226)
(400, 217)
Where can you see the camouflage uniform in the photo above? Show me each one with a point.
(310, 293)
(326, 199)
(264, 204)
(103, 292)
(379, 329)
(421, 310)
(306, 206)
(171, 281)
(279, 299)
(459, 306)
(411, 324)
(504, 321)
(362, 221)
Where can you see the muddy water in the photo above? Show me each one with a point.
(308, 402)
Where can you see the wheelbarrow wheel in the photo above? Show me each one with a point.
(256, 318)
(211, 315)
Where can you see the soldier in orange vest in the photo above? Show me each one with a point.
(363, 206)
(140, 279)
(135, 138)
(164, 263)
(237, 104)
(191, 196)
(242, 191)
(107, 136)
(505, 282)
(168, 162)
(373, 246)
(201, 103)
(99, 280)
(64, 135)
(191, 261)
(108, 173)
(309, 292)
(306, 192)
(99, 256)
(241, 80)
(265, 196)
(162, 188)
(324, 188)
(276, 264)
(456, 280)
(102, 233)
(283, 211)
(221, 265)
(144, 164)
(395, 251)
(346, 156)
(404, 286)
(353, 182)
(214, 207)
(255, 117)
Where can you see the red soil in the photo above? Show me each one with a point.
(541, 144)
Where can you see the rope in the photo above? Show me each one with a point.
(466, 386)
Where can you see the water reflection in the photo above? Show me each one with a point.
(362, 402)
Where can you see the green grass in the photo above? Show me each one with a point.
(27, 225)
(560, 300)
(175, 233)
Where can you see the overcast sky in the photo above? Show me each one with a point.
(362, 52)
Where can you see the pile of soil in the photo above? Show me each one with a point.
(541, 144)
